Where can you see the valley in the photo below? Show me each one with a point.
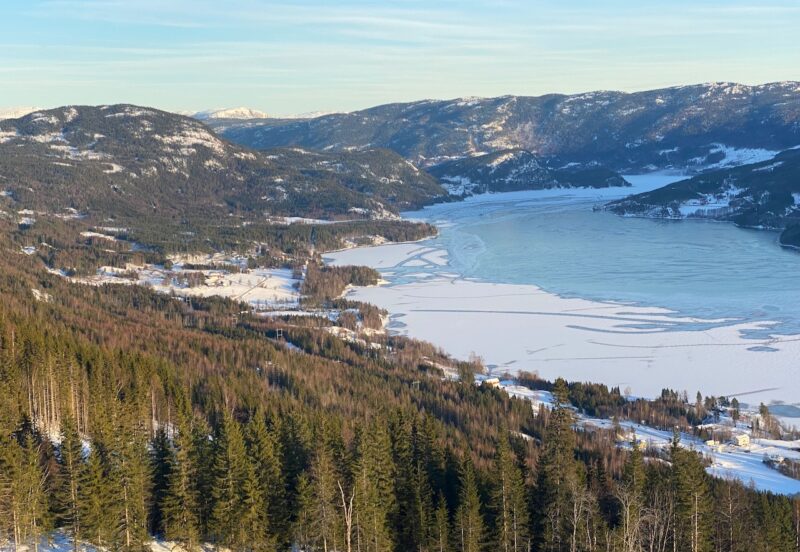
(293, 293)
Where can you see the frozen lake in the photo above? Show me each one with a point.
(539, 281)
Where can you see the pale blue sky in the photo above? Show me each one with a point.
(296, 56)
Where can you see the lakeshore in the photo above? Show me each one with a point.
(634, 345)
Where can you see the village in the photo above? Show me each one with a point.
(735, 449)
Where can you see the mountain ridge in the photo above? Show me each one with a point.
(514, 170)
(763, 195)
(131, 161)
(681, 126)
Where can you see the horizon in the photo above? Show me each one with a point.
(308, 56)
(320, 113)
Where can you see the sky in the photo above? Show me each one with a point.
(288, 57)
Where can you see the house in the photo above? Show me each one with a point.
(492, 382)
(741, 440)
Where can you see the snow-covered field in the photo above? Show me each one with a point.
(261, 288)
(727, 461)
(58, 541)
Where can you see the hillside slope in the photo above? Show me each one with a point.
(516, 169)
(131, 163)
(761, 195)
(699, 126)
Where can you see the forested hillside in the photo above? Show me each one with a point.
(681, 127)
(127, 415)
(133, 166)
(517, 169)
(759, 195)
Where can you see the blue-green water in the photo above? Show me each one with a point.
(555, 240)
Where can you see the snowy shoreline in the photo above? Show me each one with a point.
(516, 327)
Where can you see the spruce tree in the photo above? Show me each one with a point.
(129, 475)
(324, 508)
(30, 489)
(412, 519)
(509, 500)
(252, 531)
(630, 497)
(236, 518)
(469, 519)
(694, 508)
(95, 500)
(179, 507)
(70, 460)
(160, 465)
(557, 477)
(303, 526)
(265, 454)
(229, 473)
(440, 541)
(12, 490)
(374, 484)
(201, 459)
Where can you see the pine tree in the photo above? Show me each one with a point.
(509, 500)
(70, 459)
(469, 520)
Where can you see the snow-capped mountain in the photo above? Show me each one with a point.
(698, 126)
(15, 112)
(230, 113)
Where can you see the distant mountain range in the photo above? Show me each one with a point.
(759, 195)
(230, 113)
(689, 127)
(133, 163)
(125, 161)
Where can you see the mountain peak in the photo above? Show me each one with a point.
(230, 113)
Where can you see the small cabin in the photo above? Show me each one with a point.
(492, 382)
